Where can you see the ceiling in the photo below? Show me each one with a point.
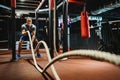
(108, 9)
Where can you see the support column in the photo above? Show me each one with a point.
(36, 23)
(68, 38)
(50, 30)
(13, 6)
(65, 15)
(99, 24)
(55, 28)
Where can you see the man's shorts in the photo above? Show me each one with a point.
(24, 38)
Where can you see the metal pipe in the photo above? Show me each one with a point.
(5, 7)
(106, 8)
(50, 30)
(47, 9)
(68, 38)
(41, 3)
(13, 5)
(55, 21)
(65, 16)
(36, 10)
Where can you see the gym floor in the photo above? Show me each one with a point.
(74, 68)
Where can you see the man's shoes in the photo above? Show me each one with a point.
(18, 56)
(39, 55)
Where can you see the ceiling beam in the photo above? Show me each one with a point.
(28, 1)
(24, 6)
(47, 9)
(5, 7)
(29, 4)
(39, 6)
(106, 8)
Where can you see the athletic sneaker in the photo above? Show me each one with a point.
(39, 55)
(18, 56)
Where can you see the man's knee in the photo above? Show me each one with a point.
(20, 42)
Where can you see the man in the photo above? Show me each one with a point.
(28, 26)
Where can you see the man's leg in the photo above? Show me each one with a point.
(19, 49)
(37, 50)
(20, 46)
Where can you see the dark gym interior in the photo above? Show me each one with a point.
(104, 24)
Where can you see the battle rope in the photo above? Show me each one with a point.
(100, 55)
(48, 55)
(112, 58)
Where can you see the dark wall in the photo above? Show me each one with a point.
(4, 32)
(77, 42)
(4, 29)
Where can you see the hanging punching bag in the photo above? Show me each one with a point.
(13, 3)
(85, 30)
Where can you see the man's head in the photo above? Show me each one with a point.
(29, 21)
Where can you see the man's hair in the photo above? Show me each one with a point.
(29, 19)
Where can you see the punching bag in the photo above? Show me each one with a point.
(85, 30)
(13, 3)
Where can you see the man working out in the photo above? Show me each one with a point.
(28, 26)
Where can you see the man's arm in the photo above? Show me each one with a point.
(33, 32)
(23, 30)
(24, 33)
(33, 35)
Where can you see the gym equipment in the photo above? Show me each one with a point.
(13, 3)
(85, 30)
(13, 28)
(48, 55)
(94, 54)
